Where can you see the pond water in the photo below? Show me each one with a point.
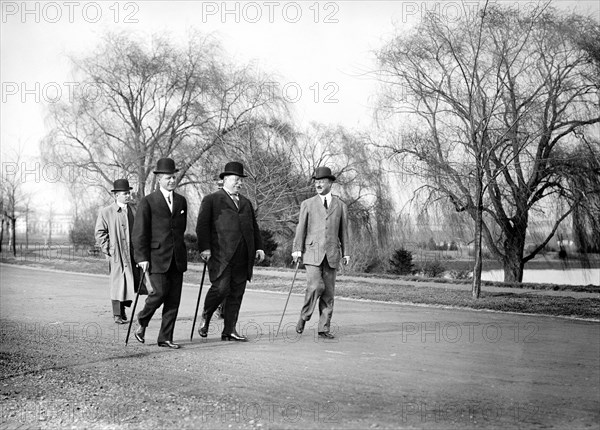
(551, 276)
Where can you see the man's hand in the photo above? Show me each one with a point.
(296, 255)
(205, 255)
(148, 284)
(107, 256)
(144, 265)
(260, 255)
(346, 259)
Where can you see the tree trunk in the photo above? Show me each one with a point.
(13, 235)
(1, 231)
(476, 288)
(513, 260)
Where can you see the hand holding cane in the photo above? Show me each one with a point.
(198, 302)
(289, 294)
(137, 296)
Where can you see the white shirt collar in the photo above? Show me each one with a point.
(121, 205)
(328, 196)
(166, 193)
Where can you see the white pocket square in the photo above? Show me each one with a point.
(182, 210)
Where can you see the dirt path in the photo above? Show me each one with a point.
(64, 364)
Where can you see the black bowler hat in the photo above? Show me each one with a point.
(166, 165)
(121, 185)
(233, 168)
(323, 172)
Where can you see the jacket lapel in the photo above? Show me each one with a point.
(332, 206)
(229, 200)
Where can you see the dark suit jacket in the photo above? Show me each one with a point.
(322, 232)
(220, 228)
(158, 234)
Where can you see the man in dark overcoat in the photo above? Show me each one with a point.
(229, 241)
(159, 248)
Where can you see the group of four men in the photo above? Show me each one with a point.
(229, 242)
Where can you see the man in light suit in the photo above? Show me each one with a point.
(229, 241)
(159, 248)
(113, 235)
(321, 241)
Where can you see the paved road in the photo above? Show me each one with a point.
(390, 365)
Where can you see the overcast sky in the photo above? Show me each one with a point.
(322, 49)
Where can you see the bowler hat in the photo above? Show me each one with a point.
(121, 185)
(165, 165)
(233, 168)
(323, 172)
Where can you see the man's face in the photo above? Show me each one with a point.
(123, 197)
(167, 181)
(323, 186)
(233, 183)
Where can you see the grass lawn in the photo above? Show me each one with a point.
(401, 289)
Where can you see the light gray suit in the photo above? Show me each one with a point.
(322, 237)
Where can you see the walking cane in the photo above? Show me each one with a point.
(198, 302)
(134, 305)
(288, 297)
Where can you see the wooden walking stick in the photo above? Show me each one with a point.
(198, 302)
(137, 296)
(288, 297)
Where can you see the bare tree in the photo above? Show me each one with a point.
(14, 201)
(498, 100)
(139, 102)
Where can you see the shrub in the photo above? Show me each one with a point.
(401, 262)
(269, 246)
(82, 233)
(432, 268)
(191, 243)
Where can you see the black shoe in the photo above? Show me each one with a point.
(140, 333)
(234, 336)
(300, 326)
(169, 344)
(124, 316)
(203, 329)
(119, 320)
(326, 335)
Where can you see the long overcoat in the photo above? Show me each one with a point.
(113, 236)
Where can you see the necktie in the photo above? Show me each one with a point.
(236, 200)
(325, 202)
(169, 201)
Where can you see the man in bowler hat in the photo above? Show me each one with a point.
(322, 242)
(159, 248)
(229, 241)
(113, 235)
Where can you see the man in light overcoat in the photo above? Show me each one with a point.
(322, 242)
(113, 235)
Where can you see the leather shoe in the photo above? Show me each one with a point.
(234, 336)
(203, 329)
(140, 333)
(326, 335)
(169, 344)
(124, 316)
(300, 326)
(119, 320)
